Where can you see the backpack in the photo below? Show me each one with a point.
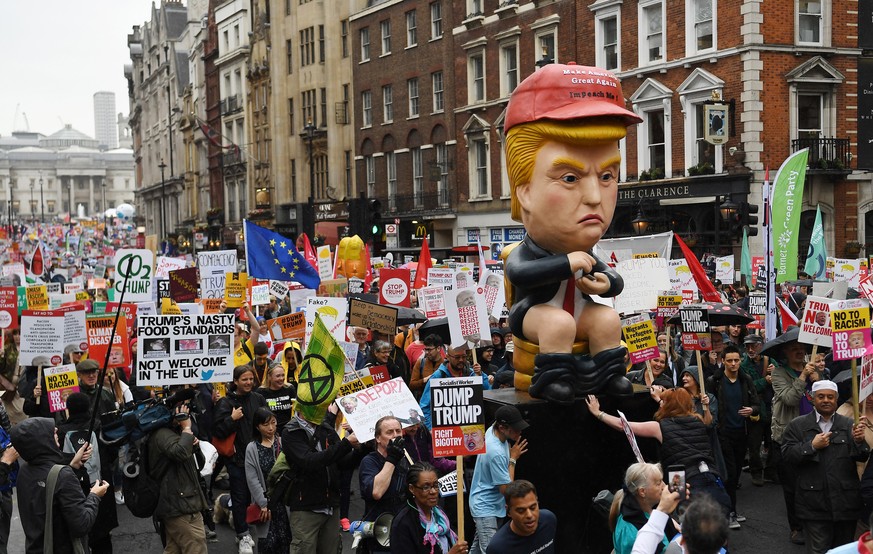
(6, 442)
(279, 482)
(140, 482)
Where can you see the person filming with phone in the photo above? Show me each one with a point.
(633, 505)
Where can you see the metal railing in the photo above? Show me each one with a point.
(407, 204)
(828, 154)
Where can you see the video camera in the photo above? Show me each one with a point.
(136, 420)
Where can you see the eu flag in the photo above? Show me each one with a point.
(272, 256)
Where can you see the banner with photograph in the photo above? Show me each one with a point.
(695, 328)
(99, 333)
(815, 324)
(183, 349)
(464, 276)
(639, 334)
(467, 318)
(363, 408)
(214, 267)
(333, 312)
(60, 382)
(457, 416)
(850, 323)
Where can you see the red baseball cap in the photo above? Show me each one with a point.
(567, 91)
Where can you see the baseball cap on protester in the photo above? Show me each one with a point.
(509, 415)
(567, 91)
(753, 339)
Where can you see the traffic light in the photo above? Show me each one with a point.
(357, 217)
(305, 219)
(374, 220)
(748, 218)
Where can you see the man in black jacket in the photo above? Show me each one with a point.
(313, 450)
(737, 402)
(823, 447)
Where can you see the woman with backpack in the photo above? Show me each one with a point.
(232, 432)
(272, 528)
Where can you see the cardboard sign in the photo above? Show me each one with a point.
(467, 318)
(758, 309)
(695, 328)
(355, 381)
(183, 284)
(288, 327)
(37, 297)
(449, 484)
(866, 379)
(433, 301)
(182, 349)
(128, 310)
(631, 438)
(491, 286)
(643, 278)
(45, 333)
(8, 308)
(850, 323)
(844, 270)
(134, 274)
(235, 289)
(165, 265)
(99, 334)
(639, 334)
(325, 262)
(363, 408)
(214, 267)
(441, 277)
(681, 277)
(211, 305)
(73, 287)
(260, 295)
(380, 373)
(278, 289)
(815, 324)
(60, 383)
(668, 305)
(394, 287)
(373, 316)
(333, 313)
(457, 416)
(724, 269)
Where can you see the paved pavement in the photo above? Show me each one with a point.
(766, 529)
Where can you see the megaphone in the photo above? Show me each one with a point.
(379, 530)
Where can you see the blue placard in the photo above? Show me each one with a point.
(472, 235)
(496, 235)
(514, 234)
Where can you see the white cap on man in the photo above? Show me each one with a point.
(824, 384)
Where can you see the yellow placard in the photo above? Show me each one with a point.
(646, 255)
(235, 289)
(82, 295)
(169, 307)
(640, 336)
(37, 297)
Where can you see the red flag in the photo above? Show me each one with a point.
(309, 252)
(368, 276)
(37, 266)
(707, 289)
(424, 264)
(788, 318)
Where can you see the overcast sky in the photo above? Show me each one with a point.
(56, 54)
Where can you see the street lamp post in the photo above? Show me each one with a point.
(41, 203)
(310, 135)
(103, 206)
(163, 166)
(169, 114)
(32, 203)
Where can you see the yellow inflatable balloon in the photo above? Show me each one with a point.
(350, 258)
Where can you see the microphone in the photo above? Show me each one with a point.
(180, 396)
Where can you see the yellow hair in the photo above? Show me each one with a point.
(523, 142)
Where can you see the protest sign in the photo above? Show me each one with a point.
(356, 286)
(278, 289)
(260, 295)
(668, 305)
(442, 277)
(45, 333)
(169, 307)
(759, 272)
(758, 309)
(355, 381)
(350, 349)
(639, 334)
(380, 373)
(183, 284)
(94, 284)
(163, 289)
(394, 287)
(695, 328)
(288, 327)
(724, 269)
(128, 310)
(211, 305)
(16, 273)
(843, 270)
(850, 323)
(363, 408)
(631, 438)
(815, 325)
(99, 333)
(73, 287)
(183, 349)
(866, 379)
(214, 267)
(681, 277)
(432, 300)
(235, 289)
(53, 288)
(643, 278)
(37, 297)
(373, 316)
(134, 273)
(491, 288)
(457, 416)
(467, 318)
(333, 314)
(60, 382)
(337, 288)
(8, 308)
(165, 265)
(449, 484)
(464, 276)
(325, 263)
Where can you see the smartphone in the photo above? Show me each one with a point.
(676, 480)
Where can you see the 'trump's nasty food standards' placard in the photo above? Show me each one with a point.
(183, 349)
(457, 416)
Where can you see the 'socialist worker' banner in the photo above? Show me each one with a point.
(60, 382)
(815, 327)
(184, 349)
(695, 329)
(458, 419)
(363, 409)
(850, 322)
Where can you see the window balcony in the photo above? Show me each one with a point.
(826, 155)
(434, 203)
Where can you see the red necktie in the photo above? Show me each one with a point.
(570, 297)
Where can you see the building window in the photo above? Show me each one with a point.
(287, 7)
(545, 45)
(508, 68)
(344, 116)
(651, 32)
(606, 41)
(309, 104)
(322, 177)
(704, 26)
(809, 116)
(694, 93)
(289, 55)
(365, 44)
(323, 93)
(231, 201)
(474, 8)
(476, 77)
(293, 180)
(704, 153)
(437, 83)
(809, 21)
(344, 37)
(367, 108)
(385, 27)
(387, 104)
(412, 90)
(391, 173)
(442, 160)
(655, 142)
(417, 177)
(436, 20)
(321, 43)
(307, 46)
(243, 200)
(411, 29)
(370, 171)
(478, 167)
(291, 126)
(348, 162)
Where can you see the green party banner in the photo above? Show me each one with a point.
(816, 257)
(786, 209)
